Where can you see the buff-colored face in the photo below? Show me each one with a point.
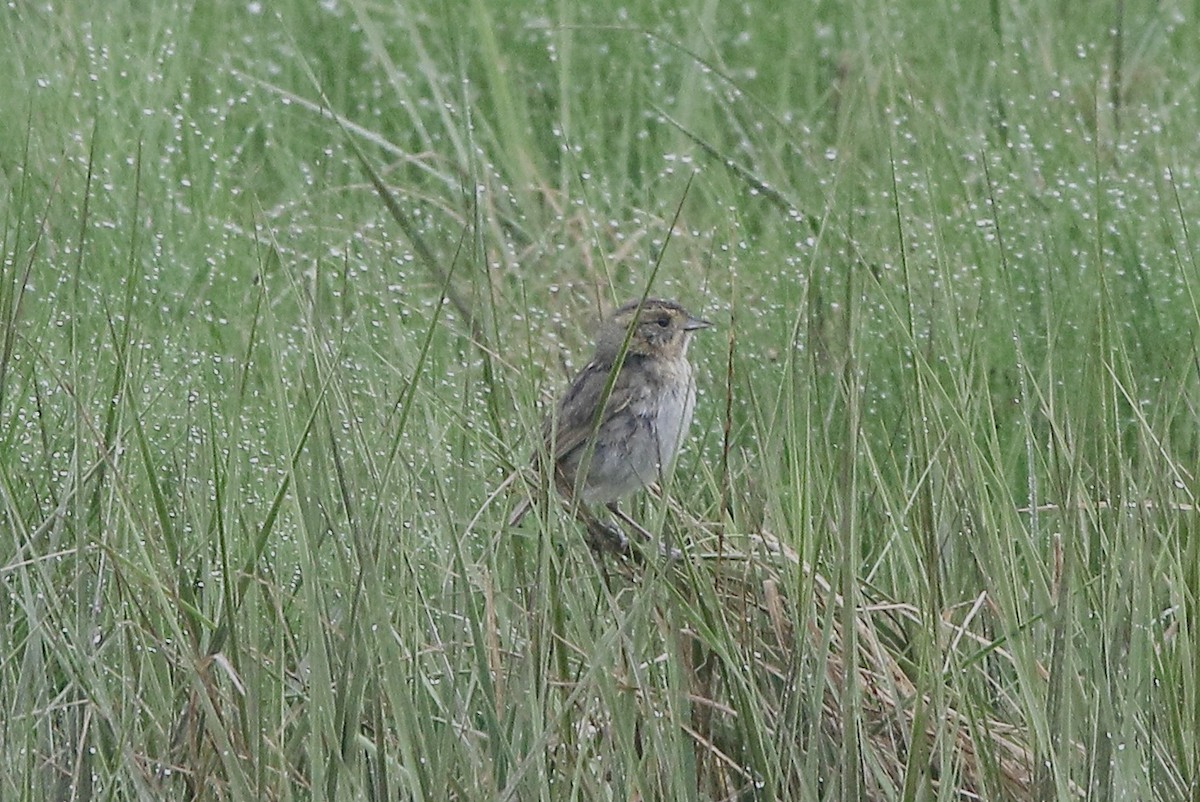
(659, 328)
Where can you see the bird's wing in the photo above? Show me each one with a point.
(576, 419)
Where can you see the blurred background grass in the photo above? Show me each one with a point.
(939, 494)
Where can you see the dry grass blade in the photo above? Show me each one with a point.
(751, 581)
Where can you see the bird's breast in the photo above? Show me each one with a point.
(673, 416)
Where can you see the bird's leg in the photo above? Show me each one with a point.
(601, 536)
(665, 548)
(637, 528)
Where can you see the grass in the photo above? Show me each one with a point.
(285, 292)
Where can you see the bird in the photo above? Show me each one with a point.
(620, 423)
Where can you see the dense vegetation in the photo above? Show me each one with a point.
(286, 288)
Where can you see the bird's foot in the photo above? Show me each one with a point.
(605, 538)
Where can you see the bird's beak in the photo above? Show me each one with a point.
(694, 323)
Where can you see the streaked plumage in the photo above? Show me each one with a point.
(603, 458)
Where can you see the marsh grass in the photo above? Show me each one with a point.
(285, 293)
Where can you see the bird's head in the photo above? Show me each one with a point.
(656, 327)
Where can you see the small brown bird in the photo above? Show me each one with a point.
(603, 455)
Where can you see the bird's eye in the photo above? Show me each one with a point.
(663, 322)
